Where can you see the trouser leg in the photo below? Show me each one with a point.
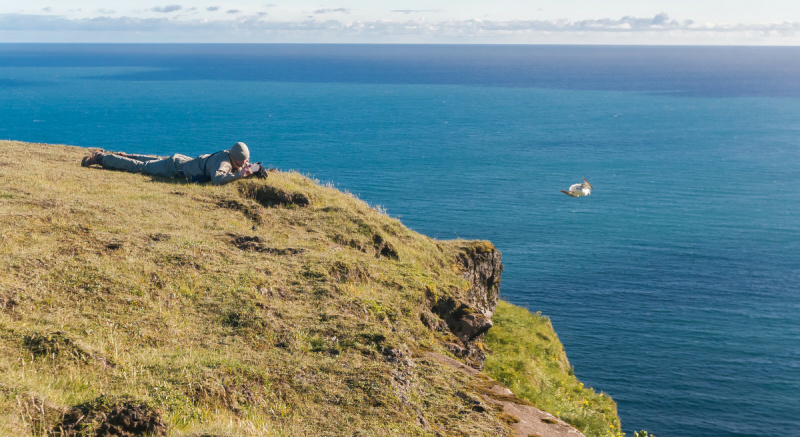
(116, 162)
(168, 168)
(164, 167)
(143, 158)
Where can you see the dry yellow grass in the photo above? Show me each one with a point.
(122, 286)
(230, 315)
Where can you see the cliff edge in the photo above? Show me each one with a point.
(131, 305)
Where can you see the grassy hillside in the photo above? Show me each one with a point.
(529, 360)
(264, 307)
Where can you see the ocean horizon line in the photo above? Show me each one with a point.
(414, 44)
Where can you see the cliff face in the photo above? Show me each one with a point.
(467, 313)
(130, 304)
(482, 267)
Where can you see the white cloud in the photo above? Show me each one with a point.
(166, 9)
(332, 11)
(212, 8)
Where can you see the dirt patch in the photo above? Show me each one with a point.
(257, 244)
(8, 301)
(178, 260)
(384, 248)
(160, 237)
(355, 244)
(56, 345)
(252, 212)
(379, 245)
(101, 418)
(246, 242)
(270, 196)
(53, 344)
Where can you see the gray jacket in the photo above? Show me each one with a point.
(217, 166)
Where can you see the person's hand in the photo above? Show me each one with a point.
(246, 171)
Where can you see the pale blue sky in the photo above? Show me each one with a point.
(772, 22)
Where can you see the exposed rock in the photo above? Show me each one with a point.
(469, 316)
(456, 350)
(470, 326)
(476, 356)
(482, 266)
(433, 322)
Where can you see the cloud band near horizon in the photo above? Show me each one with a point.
(472, 29)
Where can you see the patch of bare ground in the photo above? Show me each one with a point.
(524, 418)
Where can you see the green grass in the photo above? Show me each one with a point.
(231, 315)
(529, 359)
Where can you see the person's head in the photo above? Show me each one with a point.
(239, 154)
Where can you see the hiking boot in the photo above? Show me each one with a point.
(94, 158)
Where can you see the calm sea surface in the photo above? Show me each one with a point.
(675, 286)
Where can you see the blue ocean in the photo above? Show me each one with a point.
(675, 286)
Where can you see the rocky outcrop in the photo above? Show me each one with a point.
(482, 266)
(468, 316)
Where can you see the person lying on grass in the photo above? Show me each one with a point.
(219, 168)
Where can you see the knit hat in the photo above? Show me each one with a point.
(239, 152)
